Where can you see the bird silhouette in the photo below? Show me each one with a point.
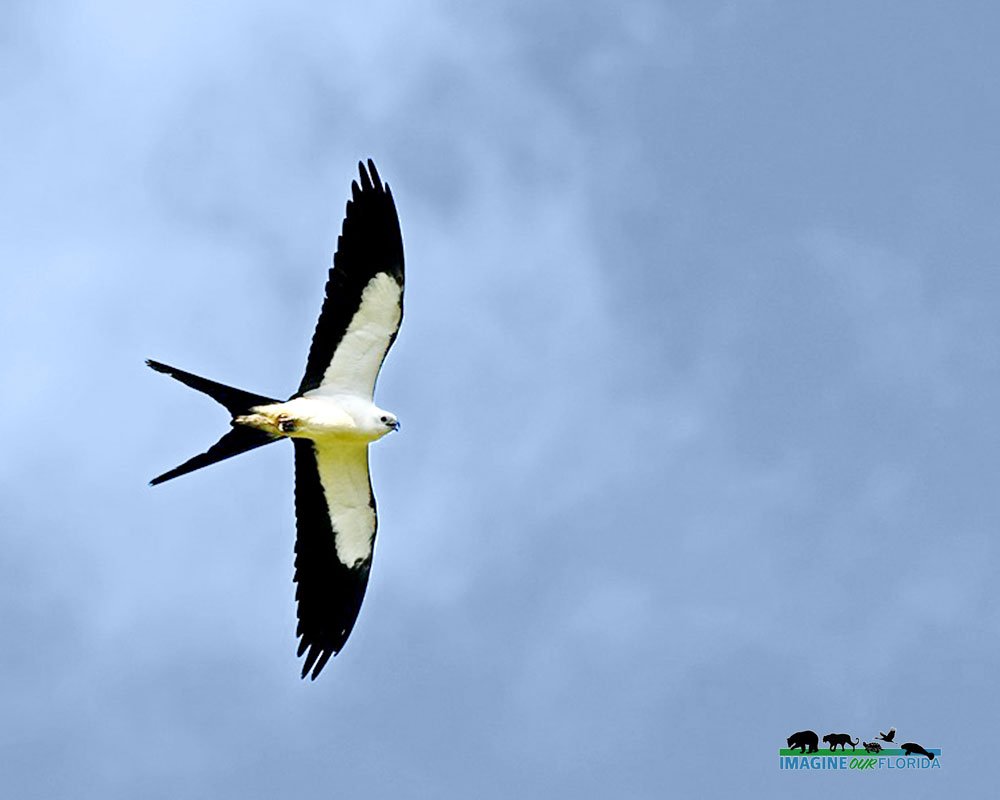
(887, 737)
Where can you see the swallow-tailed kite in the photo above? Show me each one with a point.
(330, 420)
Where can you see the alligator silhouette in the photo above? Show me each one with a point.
(909, 748)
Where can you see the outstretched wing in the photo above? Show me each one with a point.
(364, 295)
(336, 522)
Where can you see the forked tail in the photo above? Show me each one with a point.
(237, 402)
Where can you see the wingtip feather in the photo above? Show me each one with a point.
(366, 181)
(311, 656)
(376, 179)
(326, 656)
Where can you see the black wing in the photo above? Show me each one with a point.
(330, 591)
(370, 245)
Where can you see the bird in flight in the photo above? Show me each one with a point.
(331, 420)
(887, 737)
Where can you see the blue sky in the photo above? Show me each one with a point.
(698, 383)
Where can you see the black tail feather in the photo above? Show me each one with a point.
(235, 400)
(238, 440)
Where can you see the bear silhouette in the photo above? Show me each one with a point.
(909, 748)
(807, 741)
(839, 738)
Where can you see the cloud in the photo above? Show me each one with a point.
(697, 403)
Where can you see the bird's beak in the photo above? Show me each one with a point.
(395, 425)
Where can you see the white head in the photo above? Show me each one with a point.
(384, 421)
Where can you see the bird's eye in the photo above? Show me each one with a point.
(385, 419)
(286, 425)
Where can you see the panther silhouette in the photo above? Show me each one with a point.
(807, 741)
(839, 738)
(909, 748)
(872, 747)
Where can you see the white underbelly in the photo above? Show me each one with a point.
(329, 418)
